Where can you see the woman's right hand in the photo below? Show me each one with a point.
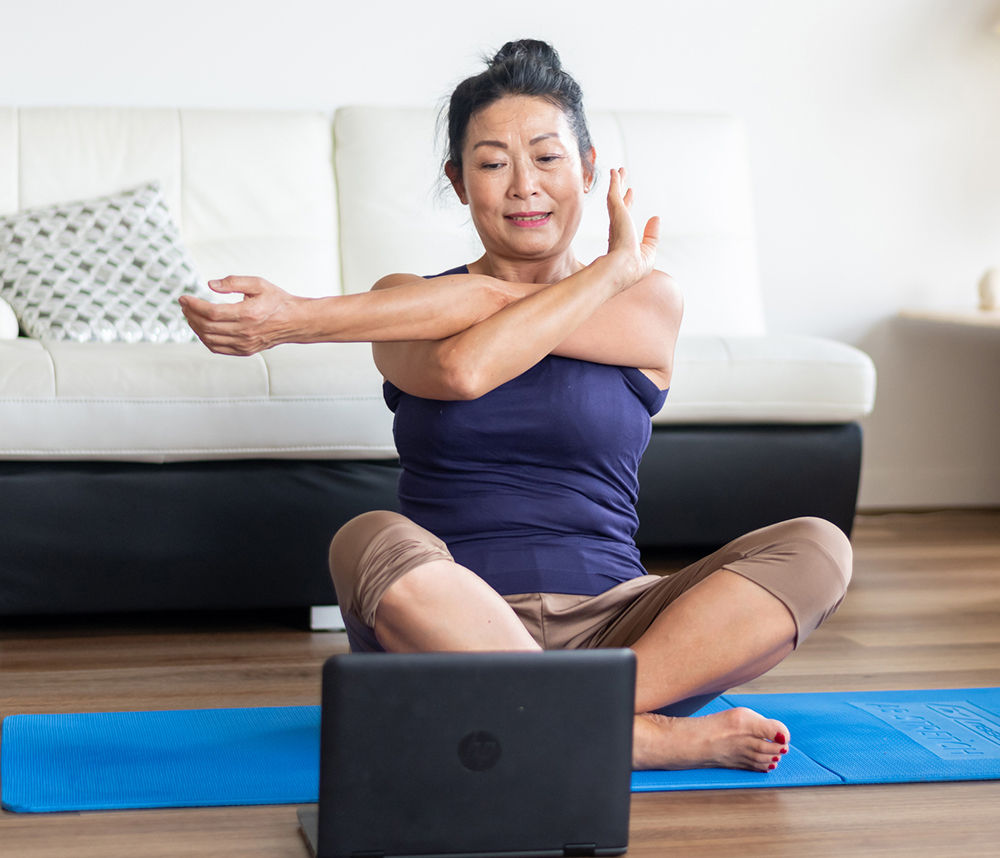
(633, 256)
(261, 320)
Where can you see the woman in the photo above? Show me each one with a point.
(522, 386)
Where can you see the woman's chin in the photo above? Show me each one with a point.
(533, 245)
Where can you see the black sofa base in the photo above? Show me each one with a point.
(103, 536)
(702, 486)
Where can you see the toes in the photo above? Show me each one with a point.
(781, 735)
(766, 762)
(767, 730)
(765, 749)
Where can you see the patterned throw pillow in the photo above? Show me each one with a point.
(108, 269)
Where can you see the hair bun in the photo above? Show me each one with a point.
(528, 50)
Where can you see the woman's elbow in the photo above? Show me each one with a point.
(460, 379)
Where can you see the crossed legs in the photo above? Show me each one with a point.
(716, 624)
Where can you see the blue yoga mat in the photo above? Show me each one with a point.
(183, 758)
(209, 757)
(863, 737)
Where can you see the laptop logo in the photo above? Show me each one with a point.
(479, 751)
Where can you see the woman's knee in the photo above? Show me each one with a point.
(347, 553)
(832, 542)
(352, 539)
(371, 552)
(824, 559)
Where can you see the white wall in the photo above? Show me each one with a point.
(874, 128)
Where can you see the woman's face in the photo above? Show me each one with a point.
(522, 178)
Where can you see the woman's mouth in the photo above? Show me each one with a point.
(529, 220)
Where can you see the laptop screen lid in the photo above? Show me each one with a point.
(476, 754)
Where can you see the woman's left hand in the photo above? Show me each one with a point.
(633, 256)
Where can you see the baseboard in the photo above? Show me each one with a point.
(929, 488)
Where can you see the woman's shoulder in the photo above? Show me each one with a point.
(461, 269)
(391, 280)
(666, 289)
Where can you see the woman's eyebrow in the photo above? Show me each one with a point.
(501, 145)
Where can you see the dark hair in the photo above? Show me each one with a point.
(524, 67)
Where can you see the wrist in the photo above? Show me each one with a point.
(302, 322)
(612, 269)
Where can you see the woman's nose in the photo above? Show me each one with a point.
(523, 182)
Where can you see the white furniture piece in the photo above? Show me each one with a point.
(159, 475)
(958, 316)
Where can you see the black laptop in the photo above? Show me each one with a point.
(474, 754)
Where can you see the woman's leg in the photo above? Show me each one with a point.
(724, 631)
(400, 590)
(444, 607)
(745, 609)
(715, 624)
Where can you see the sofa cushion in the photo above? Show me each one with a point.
(159, 402)
(105, 269)
(252, 191)
(772, 379)
(8, 321)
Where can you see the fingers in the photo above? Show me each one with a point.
(619, 203)
(651, 235)
(234, 283)
(211, 322)
(614, 194)
(617, 189)
(238, 328)
(205, 312)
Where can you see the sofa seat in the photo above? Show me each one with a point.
(175, 402)
(774, 379)
(171, 402)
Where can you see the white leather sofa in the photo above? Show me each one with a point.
(159, 475)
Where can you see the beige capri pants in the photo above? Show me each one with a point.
(804, 562)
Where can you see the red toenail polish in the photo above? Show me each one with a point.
(771, 767)
(784, 751)
(780, 738)
(775, 759)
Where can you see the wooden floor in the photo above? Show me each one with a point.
(923, 612)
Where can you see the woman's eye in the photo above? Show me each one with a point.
(548, 159)
(494, 166)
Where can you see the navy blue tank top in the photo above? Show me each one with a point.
(532, 486)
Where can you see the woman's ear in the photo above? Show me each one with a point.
(589, 170)
(454, 174)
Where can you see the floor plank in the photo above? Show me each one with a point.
(923, 611)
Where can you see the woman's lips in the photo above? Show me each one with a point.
(529, 220)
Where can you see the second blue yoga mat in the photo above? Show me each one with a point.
(864, 738)
(118, 760)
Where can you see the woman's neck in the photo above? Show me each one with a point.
(527, 270)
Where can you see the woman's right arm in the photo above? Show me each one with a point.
(400, 307)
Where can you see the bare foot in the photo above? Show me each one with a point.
(734, 739)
